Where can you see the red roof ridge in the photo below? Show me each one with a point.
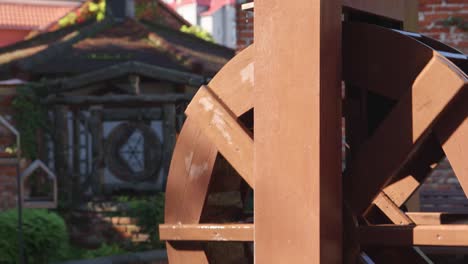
(42, 3)
(29, 15)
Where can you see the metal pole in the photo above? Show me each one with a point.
(20, 213)
(21, 256)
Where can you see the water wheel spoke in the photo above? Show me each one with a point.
(221, 127)
(425, 101)
(420, 235)
(207, 232)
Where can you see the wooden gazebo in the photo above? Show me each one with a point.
(115, 92)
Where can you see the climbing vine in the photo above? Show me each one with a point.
(457, 22)
(93, 9)
(198, 32)
(30, 117)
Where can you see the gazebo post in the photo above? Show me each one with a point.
(297, 171)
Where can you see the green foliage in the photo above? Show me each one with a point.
(45, 236)
(104, 251)
(30, 116)
(95, 10)
(75, 253)
(198, 32)
(99, 9)
(149, 213)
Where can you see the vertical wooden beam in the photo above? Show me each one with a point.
(97, 139)
(61, 152)
(411, 24)
(76, 157)
(297, 101)
(169, 133)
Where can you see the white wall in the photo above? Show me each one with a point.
(206, 22)
(220, 24)
(189, 12)
(224, 26)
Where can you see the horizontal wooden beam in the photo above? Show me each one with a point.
(206, 232)
(124, 69)
(117, 114)
(437, 218)
(248, 6)
(424, 235)
(117, 99)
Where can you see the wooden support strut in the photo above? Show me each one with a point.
(420, 235)
(207, 232)
(425, 101)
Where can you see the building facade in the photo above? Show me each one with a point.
(218, 17)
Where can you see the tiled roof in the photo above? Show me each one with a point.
(95, 46)
(32, 15)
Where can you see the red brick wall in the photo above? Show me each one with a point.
(244, 22)
(445, 20)
(7, 187)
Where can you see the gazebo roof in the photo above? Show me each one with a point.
(92, 46)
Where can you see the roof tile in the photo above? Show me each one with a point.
(31, 16)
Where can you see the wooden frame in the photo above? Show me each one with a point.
(37, 164)
(297, 131)
(293, 164)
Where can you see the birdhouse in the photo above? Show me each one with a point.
(39, 186)
(9, 139)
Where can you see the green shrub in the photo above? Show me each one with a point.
(44, 236)
(76, 253)
(149, 213)
(104, 251)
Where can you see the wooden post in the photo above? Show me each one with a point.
(297, 171)
(61, 153)
(97, 148)
(411, 24)
(169, 132)
(76, 158)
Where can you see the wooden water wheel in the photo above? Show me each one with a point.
(404, 108)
